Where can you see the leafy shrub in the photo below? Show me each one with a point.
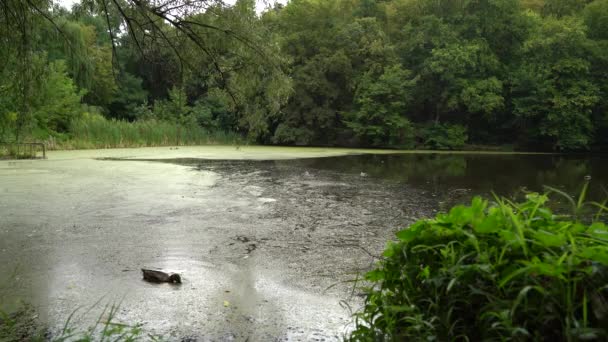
(143, 112)
(212, 114)
(445, 136)
(130, 95)
(8, 124)
(501, 271)
(285, 134)
(59, 99)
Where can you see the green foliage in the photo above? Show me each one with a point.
(457, 73)
(444, 136)
(107, 328)
(57, 103)
(51, 102)
(381, 116)
(596, 18)
(552, 94)
(20, 151)
(331, 55)
(103, 88)
(500, 271)
(211, 113)
(94, 131)
(8, 124)
(252, 87)
(19, 325)
(560, 8)
(483, 96)
(527, 73)
(23, 325)
(129, 95)
(174, 109)
(76, 40)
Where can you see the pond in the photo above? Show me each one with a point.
(503, 174)
(268, 240)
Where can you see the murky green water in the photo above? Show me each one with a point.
(275, 237)
(477, 173)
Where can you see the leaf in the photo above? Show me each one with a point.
(549, 239)
(506, 279)
(391, 249)
(544, 213)
(226, 303)
(425, 272)
(598, 230)
(451, 284)
(491, 224)
(522, 294)
(509, 237)
(407, 235)
(545, 268)
(399, 308)
(375, 275)
(460, 215)
(595, 253)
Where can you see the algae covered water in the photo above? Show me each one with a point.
(266, 239)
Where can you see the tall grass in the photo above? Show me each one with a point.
(106, 328)
(22, 325)
(98, 132)
(19, 151)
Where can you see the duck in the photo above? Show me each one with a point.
(161, 277)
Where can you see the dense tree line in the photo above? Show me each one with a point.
(394, 73)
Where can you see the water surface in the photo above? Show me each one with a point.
(276, 238)
(503, 174)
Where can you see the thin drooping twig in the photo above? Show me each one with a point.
(129, 26)
(176, 13)
(196, 40)
(155, 27)
(112, 39)
(50, 20)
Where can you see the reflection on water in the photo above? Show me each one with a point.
(477, 173)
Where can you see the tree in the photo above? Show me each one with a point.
(561, 8)
(380, 118)
(129, 95)
(458, 77)
(552, 94)
(323, 72)
(58, 101)
(595, 16)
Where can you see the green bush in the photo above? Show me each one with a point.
(444, 136)
(210, 113)
(498, 272)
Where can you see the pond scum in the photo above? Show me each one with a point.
(487, 271)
